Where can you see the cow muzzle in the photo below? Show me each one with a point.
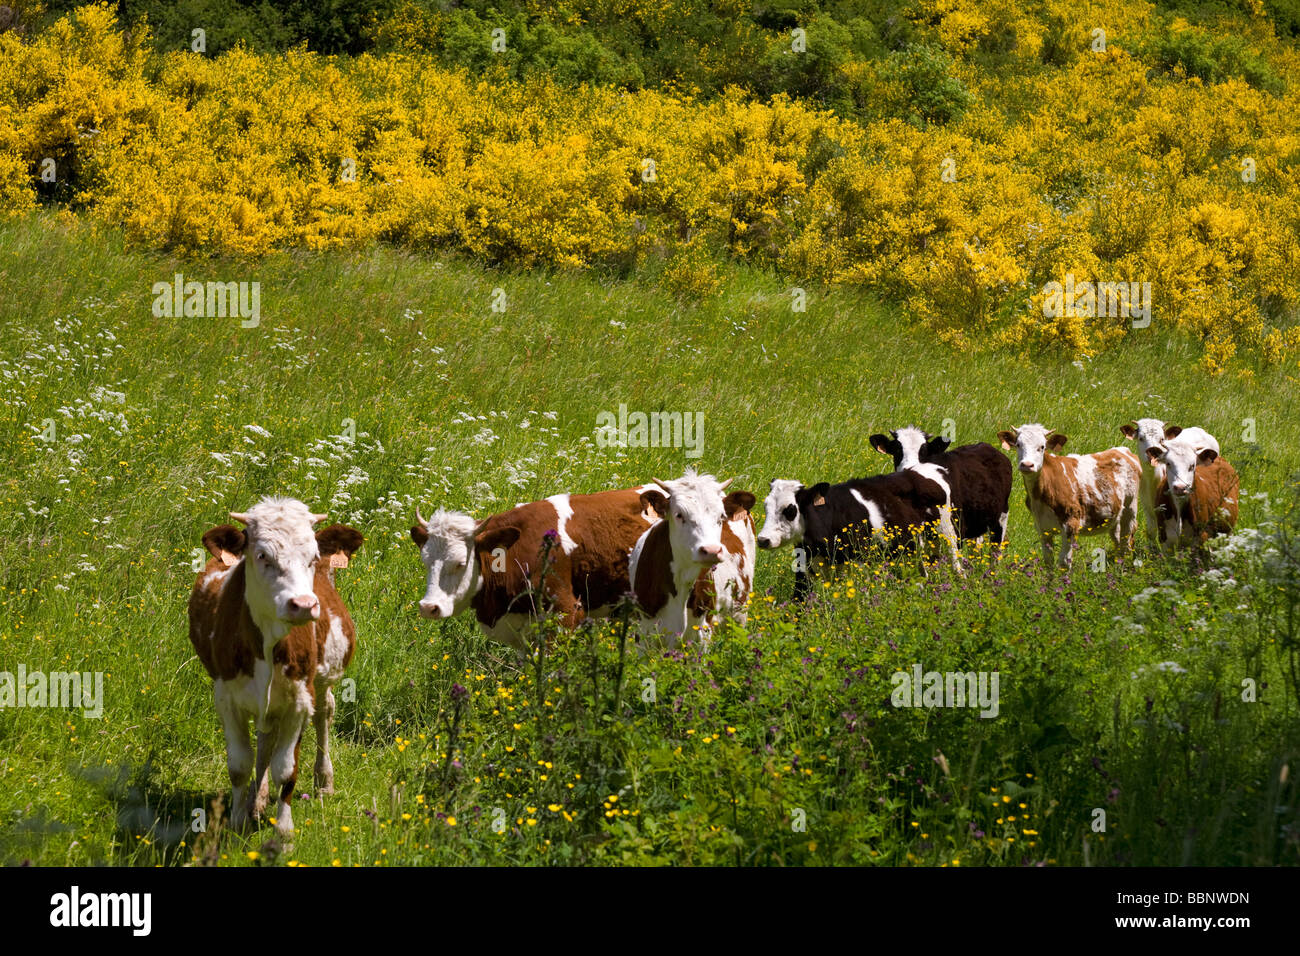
(305, 607)
(709, 554)
(432, 610)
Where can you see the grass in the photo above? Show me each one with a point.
(383, 379)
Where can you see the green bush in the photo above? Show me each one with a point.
(1215, 59)
(931, 93)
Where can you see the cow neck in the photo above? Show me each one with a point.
(475, 589)
(272, 629)
(683, 575)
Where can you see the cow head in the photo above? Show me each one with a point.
(450, 545)
(1180, 460)
(1031, 443)
(1148, 432)
(280, 553)
(909, 446)
(783, 522)
(695, 512)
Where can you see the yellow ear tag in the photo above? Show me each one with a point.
(818, 501)
(338, 560)
(228, 559)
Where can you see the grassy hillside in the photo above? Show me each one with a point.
(379, 379)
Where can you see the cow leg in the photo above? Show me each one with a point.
(323, 771)
(239, 754)
(800, 586)
(284, 767)
(1069, 541)
(1000, 536)
(1149, 512)
(257, 796)
(1045, 538)
(1126, 529)
(949, 533)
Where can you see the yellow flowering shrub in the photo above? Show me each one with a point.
(1080, 157)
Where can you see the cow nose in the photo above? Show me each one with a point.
(430, 609)
(711, 553)
(1026, 466)
(305, 605)
(1180, 489)
(764, 543)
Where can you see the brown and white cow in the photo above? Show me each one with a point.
(1149, 433)
(1197, 498)
(682, 585)
(274, 636)
(1075, 494)
(494, 565)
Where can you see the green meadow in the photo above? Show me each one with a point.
(1147, 708)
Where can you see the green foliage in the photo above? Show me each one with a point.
(1215, 59)
(931, 93)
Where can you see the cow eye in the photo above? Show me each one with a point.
(788, 512)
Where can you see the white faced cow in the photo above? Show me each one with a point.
(1150, 433)
(978, 479)
(274, 636)
(495, 565)
(698, 562)
(1197, 498)
(833, 524)
(1075, 494)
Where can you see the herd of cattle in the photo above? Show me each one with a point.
(275, 636)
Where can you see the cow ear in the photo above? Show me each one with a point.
(225, 542)
(653, 503)
(1173, 431)
(880, 443)
(489, 541)
(818, 493)
(1130, 430)
(1155, 453)
(419, 534)
(338, 542)
(938, 444)
(1008, 438)
(1207, 455)
(1056, 441)
(737, 501)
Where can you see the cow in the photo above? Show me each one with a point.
(495, 565)
(837, 523)
(1149, 433)
(978, 476)
(1197, 497)
(1075, 494)
(697, 564)
(274, 636)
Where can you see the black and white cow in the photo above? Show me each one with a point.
(978, 476)
(838, 523)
